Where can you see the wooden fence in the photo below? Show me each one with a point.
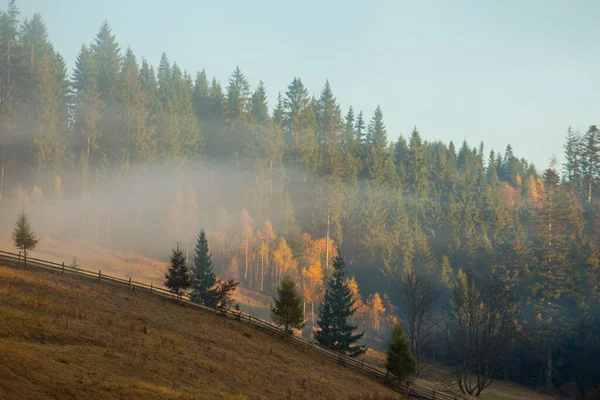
(411, 390)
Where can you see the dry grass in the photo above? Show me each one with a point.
(140, 268)
(69, 338)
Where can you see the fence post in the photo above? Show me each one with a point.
(249, 318)
(129, 286)
(63, 268)
(99, 275)
(433, 394)
(151, 287)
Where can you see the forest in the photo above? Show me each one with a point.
(139, 157)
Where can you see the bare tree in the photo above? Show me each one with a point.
(418, 297)
(480, 327)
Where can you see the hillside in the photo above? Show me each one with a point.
(139, 267)
(64, 337)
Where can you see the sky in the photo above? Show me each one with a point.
(501, 71)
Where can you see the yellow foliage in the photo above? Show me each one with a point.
(315, 251)
(532, 191)
(284, 261)
(376, 311)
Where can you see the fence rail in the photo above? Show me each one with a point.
(411, 390)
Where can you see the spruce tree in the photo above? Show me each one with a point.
(400, 361)
(23, 235)
(178, 277)
(336, 333)
(204, 290)
(287, 309)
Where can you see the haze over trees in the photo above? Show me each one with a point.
(133, 156)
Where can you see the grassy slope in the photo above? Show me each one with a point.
(140, 268)
(146, 270)
(69, 338)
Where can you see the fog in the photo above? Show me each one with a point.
(152, 209)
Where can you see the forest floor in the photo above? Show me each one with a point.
(69, 338)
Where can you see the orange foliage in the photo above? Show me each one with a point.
(531, 191)
(376, 311)
(315, 251)
(361, 309)
(508, 194)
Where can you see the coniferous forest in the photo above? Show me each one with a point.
(136, 156)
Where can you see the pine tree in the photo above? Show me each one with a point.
(573, 158)
(287, 309)
(590, 160)
(23, 235)
(400, 362)
(107, 55)
(338, 307)
(87, 109)
(417, 171)
(135, 113)
(178, 276)
(204, 290)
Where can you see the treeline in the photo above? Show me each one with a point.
(283, 186)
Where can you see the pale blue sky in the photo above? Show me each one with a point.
(507, 71)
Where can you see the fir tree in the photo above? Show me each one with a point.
(336, 333)
(400, 362)
(590, 161)
(23, 235)
(287, 309)
(204, 278)
(178, 277)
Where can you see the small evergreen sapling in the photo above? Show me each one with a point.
(400, 362)
(178, 277)
(23, 235)
(287, 310)
(224, 291)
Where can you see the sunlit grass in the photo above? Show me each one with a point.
(64, 337)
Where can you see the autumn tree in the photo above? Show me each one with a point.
(284, 262)
(23, 236)
(376, 311)
(287, 310)
(247, 233)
